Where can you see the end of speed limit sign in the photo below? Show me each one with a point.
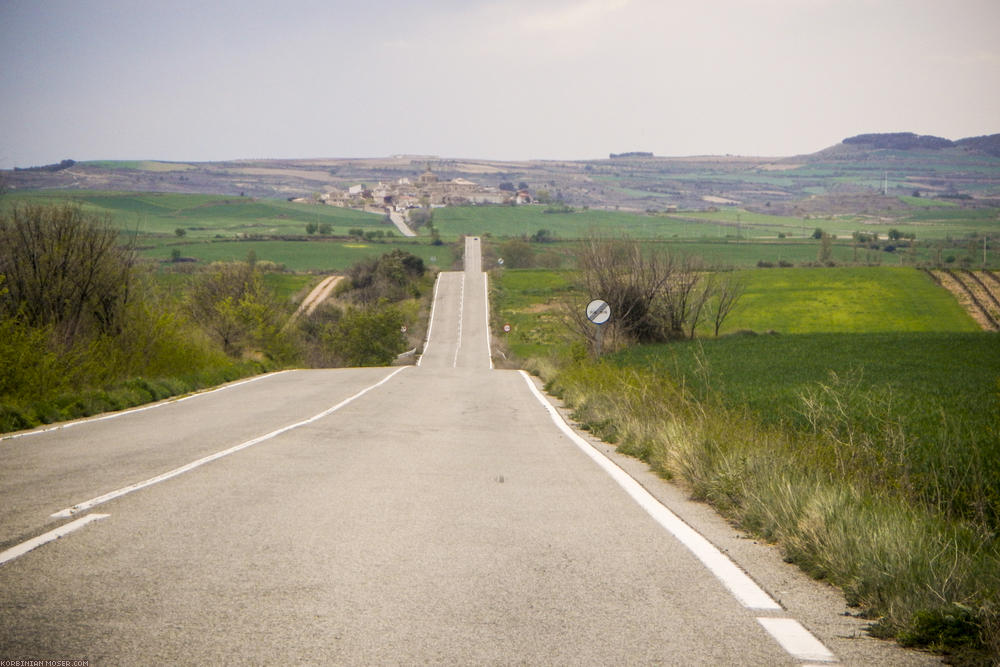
(598, 311)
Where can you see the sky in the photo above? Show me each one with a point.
(508, 80)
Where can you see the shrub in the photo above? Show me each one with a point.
(369, 336)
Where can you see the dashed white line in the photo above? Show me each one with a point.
(117, 493)
(796, 640)
(461, 315)
(52, 535)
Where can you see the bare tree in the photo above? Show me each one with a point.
(726, 294)
(654, 296)
(64, 269)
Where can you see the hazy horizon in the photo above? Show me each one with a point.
(545, 79)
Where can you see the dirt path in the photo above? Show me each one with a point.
(318, 295)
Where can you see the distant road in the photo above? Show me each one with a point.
(438, 514)
(399, 220)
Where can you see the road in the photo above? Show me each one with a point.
(438, 514)
(399, 220)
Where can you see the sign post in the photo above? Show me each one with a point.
(599, 312)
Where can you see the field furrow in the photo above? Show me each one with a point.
(972, 296)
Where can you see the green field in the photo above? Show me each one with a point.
(217, 228)
(931, 222)
(314, 255)
(768, 373)
(205, 216)
(842, 300)
(726, 237)
(846, 300)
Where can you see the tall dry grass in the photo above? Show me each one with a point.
(838, 499)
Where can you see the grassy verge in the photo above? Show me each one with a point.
(16, 415)
(870, 456)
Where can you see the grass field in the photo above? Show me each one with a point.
(845, 300)
(727, 237)
(927, 222)
(768, 373)
(842, 300)
(314, 255)
(205, 216)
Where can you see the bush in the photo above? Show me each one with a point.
(232, 303)
(517, 254)
(369, 336)
(393, 276)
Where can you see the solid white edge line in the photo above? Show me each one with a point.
(153, 406)
(489, 337)
(796, 640)
(51, 536)
(743, 588)
(430, 325)
(117, 493)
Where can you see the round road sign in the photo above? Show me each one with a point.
(598, 311)
(506, 328)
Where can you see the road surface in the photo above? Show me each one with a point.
(437, 514)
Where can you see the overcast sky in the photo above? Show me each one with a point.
(511, 79)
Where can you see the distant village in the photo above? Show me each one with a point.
(426, 190)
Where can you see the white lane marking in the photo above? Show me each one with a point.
(430, 326)
(461, 315)
(486, 297)
(796, 640)
(51, 536)
(732, 577)
(117, 493)
(116, 415)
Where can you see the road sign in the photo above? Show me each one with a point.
(598, 311)
(506, 328)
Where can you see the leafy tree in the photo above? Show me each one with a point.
(311, 228)
(368, 336)
(180, 232)
(391, 277)
(326, 229)
(232, 303)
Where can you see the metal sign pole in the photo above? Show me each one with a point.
(599, 312)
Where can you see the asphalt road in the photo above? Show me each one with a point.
(432, 514)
